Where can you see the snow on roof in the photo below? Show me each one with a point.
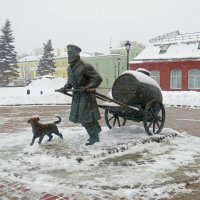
(30, 58)
(82, 54)
(62, 55)
(174, 51)
(179, 47)
(108, 54)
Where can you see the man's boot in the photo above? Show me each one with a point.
(90, 137)
(93, 139)
(96, 137)
(91, 142)
(93, 130)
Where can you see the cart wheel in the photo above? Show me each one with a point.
(154, 117)
(113, 120)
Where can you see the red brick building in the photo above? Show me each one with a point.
(173, 60)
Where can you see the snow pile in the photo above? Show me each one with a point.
(183, 98)
(42, 91)
(46, 85)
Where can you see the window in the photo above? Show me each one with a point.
(156, 76)
(194, 79)
(163, 48)
(176, 79)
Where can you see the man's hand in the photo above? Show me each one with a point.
(61, 90)
(92, 90)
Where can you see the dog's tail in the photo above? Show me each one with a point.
(59, 120)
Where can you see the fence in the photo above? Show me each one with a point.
(177, 38)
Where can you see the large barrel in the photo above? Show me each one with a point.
(136, 89)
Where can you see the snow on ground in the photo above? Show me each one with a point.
(18, 95)
(14, 96)
(182, 98)
(126, 164)
(122, 165)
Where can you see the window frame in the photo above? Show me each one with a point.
(156, 77)
(195, 79)
(178, 79)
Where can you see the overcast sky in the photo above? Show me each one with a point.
(95, 24)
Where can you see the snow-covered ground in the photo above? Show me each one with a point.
(126, 164)
(15, 96)
(18, 95)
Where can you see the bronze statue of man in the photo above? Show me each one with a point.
(81, 77)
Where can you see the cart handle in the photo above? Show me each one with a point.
(100, 96)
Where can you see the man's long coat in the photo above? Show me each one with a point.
(84, 107)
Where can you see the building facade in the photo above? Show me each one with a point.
(173, 60)
(110, 65)
(113, 64)
(29, 64)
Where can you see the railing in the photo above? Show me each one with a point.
(177, 38)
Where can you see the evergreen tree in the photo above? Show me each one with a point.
(8, 55)
(46, 63)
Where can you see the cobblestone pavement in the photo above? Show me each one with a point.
(183, 120)
(14, 119)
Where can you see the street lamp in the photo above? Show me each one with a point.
(115, 71)
(118, 64)
(127, 45)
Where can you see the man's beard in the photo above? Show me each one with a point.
(73, 59)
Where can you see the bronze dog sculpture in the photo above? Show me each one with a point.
(40, 130)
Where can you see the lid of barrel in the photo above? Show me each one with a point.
(124, 88)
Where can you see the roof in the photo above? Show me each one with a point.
(29, 58)
(82, 54)
(182, 46)
(62, 55)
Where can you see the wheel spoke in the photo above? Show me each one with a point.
(118, 121)
(158, 125)
(111, 118)
(154, 127)
(114, 121)
(150, 124)
(152, 112)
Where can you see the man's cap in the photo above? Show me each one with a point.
(73, 48)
